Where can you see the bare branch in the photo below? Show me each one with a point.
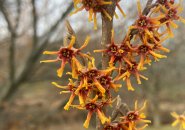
(12, 43)
(107, 26)
(34, 15)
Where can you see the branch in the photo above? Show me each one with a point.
(107, 26)
(12, 42)
(120, 109)
(18, 14)
(34, 15)
(34, 56)
(44, 40)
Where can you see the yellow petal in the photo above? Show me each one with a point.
(59, 86)
(71, 42)
(48, 61)
(81, 100)
(66, 107)
(139, 7)
(175, 123)
(77, 10)
(136, 105)
(144, 106)
(101, 116)
(174, 25)
(182, 20)
(50, 52)
(61, 69)
(120, 9)
(87, 121)
(107, 14)
(100, 87)
(129, 86)
(157, 55)
(85, 43)
(175, 115)
(90, 14)
(95, 22)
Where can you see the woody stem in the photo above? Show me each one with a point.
(107, 26)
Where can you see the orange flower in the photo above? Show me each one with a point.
(93, 7)
(90, 75)
(171, 14)
(135, 116)
(126, 72)
(179, 119)
(145, 51)
(116, 52)
(144, 24)
(166, 3)
(68, 55)
(70, 88)
(93, 106)
(107, 82)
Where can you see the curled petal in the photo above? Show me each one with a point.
(139, 7)
(101, 116)
(77, 10)
(129, 86)
(100, 87)
(61, 69)
(85, 43)
(59, 86)
(95, 22)
(120, 9)
(50, 52)
(87, 121)
(157, 55)
(107, 14)
(175, 123)
(175, 115)
(144, 106)
(66, 107)
(48, 61)
(72, 42)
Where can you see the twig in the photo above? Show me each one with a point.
(120, 109)
(107, 26)
(12, 42)
(35, 20)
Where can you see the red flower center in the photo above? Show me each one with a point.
(142, 22)
(108, 127)
(143, 49)
(132, 68)
(104, 80)
(66, 53)
(162, 2)
(91, 106)
(89, 4)
(112, 49)
(171, 13)
(132, 116)
(92, 74)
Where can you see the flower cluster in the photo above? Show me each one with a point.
(179, 119)
(90, 81)
(94, 87)
(130, 120)
(94, 7)
(139, 49)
